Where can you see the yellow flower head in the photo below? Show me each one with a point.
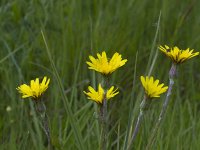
(178, 56)
(35, 89)
(152, 88)
(98, 96)
(105, 66)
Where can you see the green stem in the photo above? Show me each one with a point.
(41, 109)
(104, 117)
(143, 107)
(172, 74)
(103, 113)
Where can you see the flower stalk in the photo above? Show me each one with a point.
(101, 96)
(103, 121)
(35, 90)
(41, 110)
(172, 74)
(103, 116)
(143, 107)
(152, 90)
(106, 67)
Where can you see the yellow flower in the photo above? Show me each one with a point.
(105, 66)
(35, 89)
(98, 96)
(152, 88)
(177, 55)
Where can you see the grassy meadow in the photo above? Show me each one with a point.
(73, 30)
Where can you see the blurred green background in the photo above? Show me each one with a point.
(75, 29)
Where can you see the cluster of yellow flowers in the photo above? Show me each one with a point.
(102, 64)
(106, 67)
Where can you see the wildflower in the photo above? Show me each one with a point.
(35, 89)
(105, 66)
(98, 95)
(152, 88)
(177, 55)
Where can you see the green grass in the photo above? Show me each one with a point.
(75, 29)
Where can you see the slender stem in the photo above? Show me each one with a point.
(103, 112)
(46, 129)
(137, 125)
(104, 118)
(41, 109)
(143, 106)
(172, 74)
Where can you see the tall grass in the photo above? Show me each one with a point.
(75, 29)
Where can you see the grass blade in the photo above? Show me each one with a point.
(66, 104)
